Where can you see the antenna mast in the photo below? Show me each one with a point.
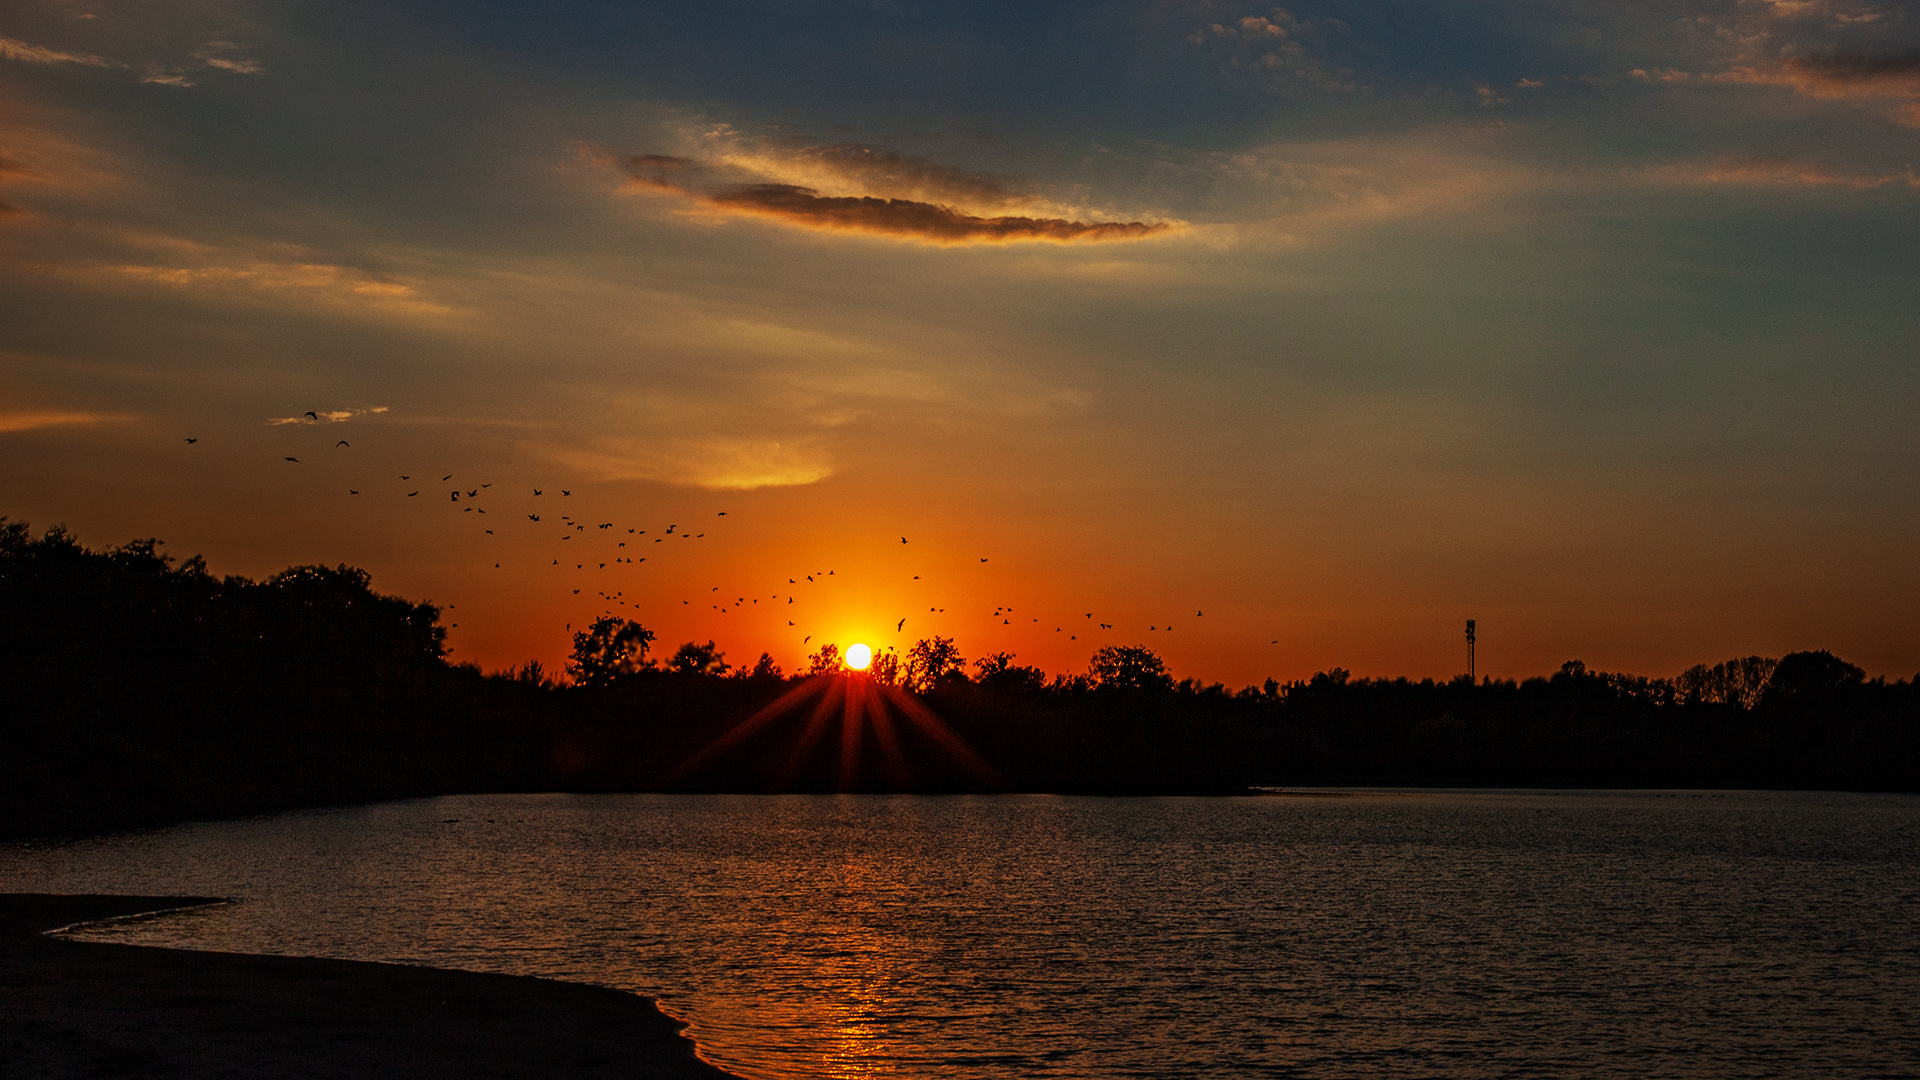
(1469, 650)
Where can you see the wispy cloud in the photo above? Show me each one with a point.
(337, 416)
(291, 277)
(219, 55)
(1779, 172)
(39, 54)
(720, 463)
(853, 188)
(30, 421)
(1889, 78)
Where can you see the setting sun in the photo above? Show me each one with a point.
(859, 656)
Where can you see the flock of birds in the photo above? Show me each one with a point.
(616, 544)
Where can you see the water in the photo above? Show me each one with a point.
(1377, 934)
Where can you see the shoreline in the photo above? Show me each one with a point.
(87, 1009)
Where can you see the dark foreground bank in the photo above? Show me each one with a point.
(84, 1009)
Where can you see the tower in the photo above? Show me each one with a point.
(1469, 650)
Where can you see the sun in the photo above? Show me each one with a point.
(859, 656)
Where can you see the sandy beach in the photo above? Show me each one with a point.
(85, 1009)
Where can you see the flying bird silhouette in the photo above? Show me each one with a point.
(564, 491)
(446, 478)
(983, 560)
(723, 513)
(806, 639)
(340, 444)
(406, 478)
(352, 491)
(536, 491)
(295, 460)
(310, 412)
(411, 494)
(533, 517)
(903, 539)
(902, 626)
(193, 440)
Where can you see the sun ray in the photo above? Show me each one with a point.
(816, 728)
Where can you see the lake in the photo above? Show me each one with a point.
(1309, 934)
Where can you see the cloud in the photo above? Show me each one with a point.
(1277, 49)
(338, 416)
(29, 421)
(1780, 172)
(214, 54)
(37, 54)
(738, 184)
(911, 218)
(342, 284)
(724, 464)
(867, 170)
(663, 173)
(1891, 78)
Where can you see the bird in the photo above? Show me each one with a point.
(806, 639)
(453, 496)
(564, 491)
(310, 412)
(353, 491)
(406, 478)
(533, 517)
(536, 491)
(472, 493)
(446, 478)
(295, 460)
(576, 592)
(1197, 614)
(193, 440)
(809, 577)
(723, 513)
(789, 622)
(340, 444)
(902, 626)
(489, 532)
(983, 560)
(903, 539)
(486, 485)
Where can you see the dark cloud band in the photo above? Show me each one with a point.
(906, 217)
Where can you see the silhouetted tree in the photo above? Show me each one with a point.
(997, 671)
(885, 668)
(1817, 679)
(763, 668)
(1129, 668)
(826, 661)
(609, 650)
(1738, 682)
(697, 659)
(931, 660)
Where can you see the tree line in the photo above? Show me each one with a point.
(139, 690)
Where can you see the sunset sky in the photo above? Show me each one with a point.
(1339, 322)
